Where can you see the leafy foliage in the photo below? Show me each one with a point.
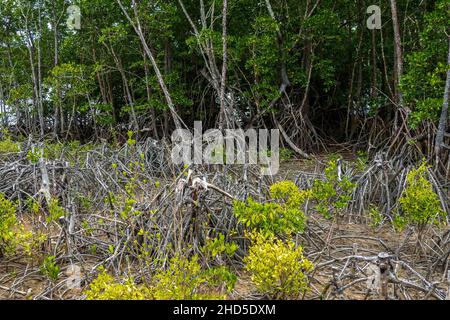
(55, 210)
(333, 193)
(376, 218)
(13, 235)
(218, 246)
(423, 83)
(7, 223)
(183, 279)
(419, 203)
(278, 218)
(278, 269)
(50, 269)
(105, 287)
(6, 144)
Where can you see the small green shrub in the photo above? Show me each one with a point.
(55, 210)
(332, 194)
(13, 236)
(34, 155)
(221, 276)
(277, 268)
(33, 205)
(419, 203)
(283, 217)
(131, 141)
(8, 221)
(50, 269)
(105, 287)
(375, 216)
(362, 160)
(6, 144)
(218, 246)
(288, 192)
(72, 150)
(124, 204)
(399, 222)
(286, 154)
(185, 280)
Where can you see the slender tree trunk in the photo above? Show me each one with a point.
(223, 108)
(126, 87)
(111, 97)
(283, 68)
(14, 84)
(285, 83)
(31, 51)
(149, 95)
(3, 106)
(100, 80)
(373, 89)
(350, 97)
(443, 122)
(167, 71)
(33, 76)
(398, 51)
(138, 29)
(386, 77)
(39, 74)
(57, 106)
(212, 74)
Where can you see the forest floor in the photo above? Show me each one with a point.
(369, 242)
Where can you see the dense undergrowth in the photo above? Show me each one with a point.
(149, 238)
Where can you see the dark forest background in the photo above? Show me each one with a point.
(310, 67)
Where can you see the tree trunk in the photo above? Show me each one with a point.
(223, 112)
(149, 95)
(398, 51)
(373, 89)
(444, 114)
(3, 107)
(212, 74)
(138, 29)
(39, 78)
(58, 106)
(33, 76)
(283, 69)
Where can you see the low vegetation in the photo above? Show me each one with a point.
(152, 233)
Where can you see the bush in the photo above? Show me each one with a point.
(55, 211)
(283, 217)
(50, 269)
(8, 221)
(184, 279)
(278, 269)
(286, 154)
(332, 194)
(419, 203)
(105, 287)
(376, 217)
(13, 235)
(72, 150)
(289, 193)
(218, 247)
(34, 155)
(6, 144)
